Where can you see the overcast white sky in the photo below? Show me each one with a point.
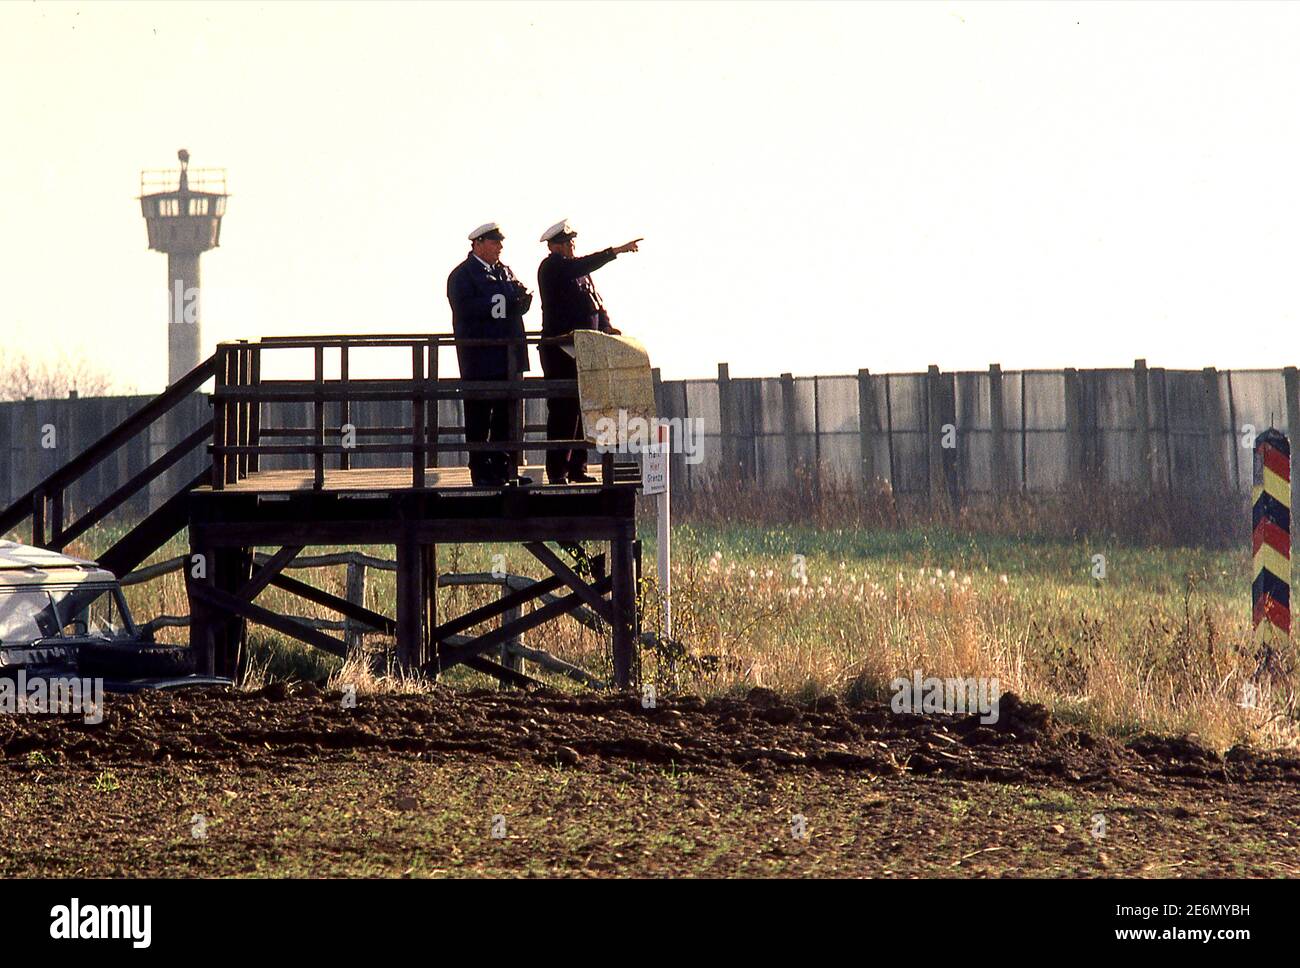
(820, 187)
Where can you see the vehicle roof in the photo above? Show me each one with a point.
(22, 564)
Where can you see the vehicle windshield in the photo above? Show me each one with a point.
(102, 617)
(28, 613)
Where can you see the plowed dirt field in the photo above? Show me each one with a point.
(286, 781)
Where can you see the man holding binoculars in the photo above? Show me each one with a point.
(488, 302)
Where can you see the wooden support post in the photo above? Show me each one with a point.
(509, 658)
(434, 419)
(345, 418)
(219, 420)
(233, 567)
(417, 418)
(933, 433)
(624, 608)
(428, 599)
(998, 424)
(1291, 382)
(410, 604)
(1219, 463)
(202, 616)
(38, 518)
(255, 407)
(1234, 444)
(868, 428)
(243, 378)
(318, 458)
(952, 474)
(1142, 425)
(56, 520)
(1092, 456)
(889, 442)
(658, 383)
(231, 463)
(790, 423)
(726, 429)
(817, 439)
(1024, 437)
(1073, 431)
(515, 409)
(1162, 383)
(356, 594)
(636, 590)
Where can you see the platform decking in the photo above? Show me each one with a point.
(386, 479)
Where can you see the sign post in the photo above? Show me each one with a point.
(655, 480)
(1271, 540)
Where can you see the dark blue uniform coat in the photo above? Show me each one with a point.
(569, 297)
(472, 289)
(569, 301)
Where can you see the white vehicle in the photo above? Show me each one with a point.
(60, 615)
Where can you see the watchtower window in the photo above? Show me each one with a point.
(198, 206)
(169, 206)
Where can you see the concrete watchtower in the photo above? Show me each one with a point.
(183, 211)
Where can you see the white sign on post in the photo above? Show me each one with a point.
(654, 472)
(654, 478)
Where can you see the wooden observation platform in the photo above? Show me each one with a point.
(417, 498)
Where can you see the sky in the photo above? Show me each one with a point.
(820, 187)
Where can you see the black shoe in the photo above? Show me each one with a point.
(556, 479)
(487, 480)
(581, 477)
(518, 481)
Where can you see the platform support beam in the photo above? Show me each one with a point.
(428, 599)
(624, 609)
(234, 569)
(410, 604)
(198, 571)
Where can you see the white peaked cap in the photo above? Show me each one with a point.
(484, 229)
(561, 227)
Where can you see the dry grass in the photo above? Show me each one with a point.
(825, 501)
(1162, 643)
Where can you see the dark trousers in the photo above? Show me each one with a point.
(563, 416)
(487, 420)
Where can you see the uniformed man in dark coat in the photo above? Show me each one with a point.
(488, 302)
(569, 301)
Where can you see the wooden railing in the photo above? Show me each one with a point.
(46, 502)
(239, 437)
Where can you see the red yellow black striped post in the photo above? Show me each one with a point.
(1271, 538)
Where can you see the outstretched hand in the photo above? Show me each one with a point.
(628, 247)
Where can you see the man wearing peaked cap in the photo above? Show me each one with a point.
(569, 301)
(488, 302)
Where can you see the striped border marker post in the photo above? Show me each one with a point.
(1271, 539)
